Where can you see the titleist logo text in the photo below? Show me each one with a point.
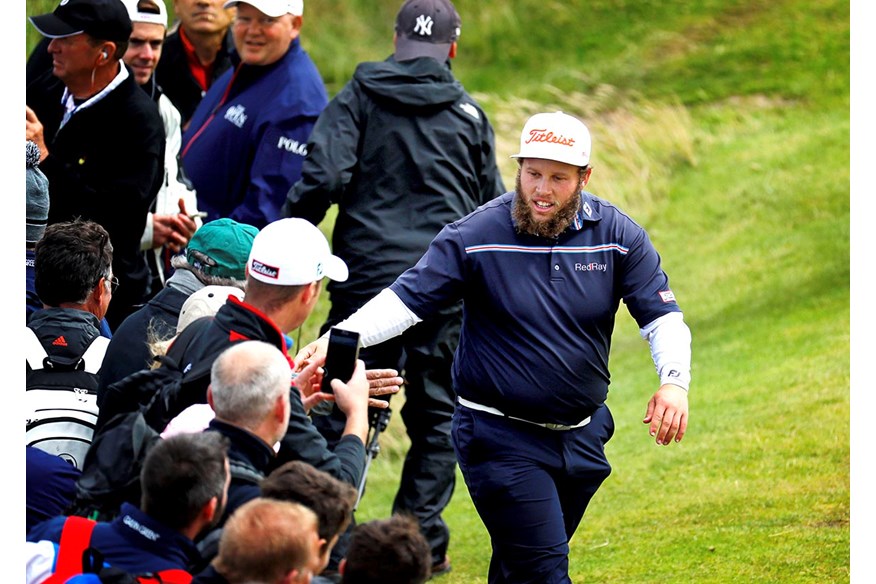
(546, 136)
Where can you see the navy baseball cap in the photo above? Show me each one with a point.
(426, 28)
(105, 20)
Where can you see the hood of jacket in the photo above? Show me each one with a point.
(65, 333)
(418, 84)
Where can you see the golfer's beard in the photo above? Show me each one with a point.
(551, 228)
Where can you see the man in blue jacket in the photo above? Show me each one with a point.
(185, 482)
(248, 137)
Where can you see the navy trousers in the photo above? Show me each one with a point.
(530, 486)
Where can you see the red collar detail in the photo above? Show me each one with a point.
(200, 72)
(236, 336)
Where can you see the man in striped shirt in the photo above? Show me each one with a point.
(541, 272)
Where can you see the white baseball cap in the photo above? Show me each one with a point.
(205, 302)
(555, 136)
(291, 252)
(273, 8)
(139, 15)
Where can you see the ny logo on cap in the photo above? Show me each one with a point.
(424, 25)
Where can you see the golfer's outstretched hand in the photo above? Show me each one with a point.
(667, 414)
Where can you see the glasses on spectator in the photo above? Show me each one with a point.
(113, 284)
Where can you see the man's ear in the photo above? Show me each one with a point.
(208, 512)
(586, 178)
(97, 298)
(280, 408)
(210, 397)
(325, 547)
(452, 53)
(100, 290)
(107, 50)
(309, 291)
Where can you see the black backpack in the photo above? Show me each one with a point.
(163, 392)
(61, 398)
(111, 472)
(133, 413)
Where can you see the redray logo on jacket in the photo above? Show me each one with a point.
(265, 270)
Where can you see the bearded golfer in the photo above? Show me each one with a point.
(541, 272)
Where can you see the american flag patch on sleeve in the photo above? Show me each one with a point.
(667, 296)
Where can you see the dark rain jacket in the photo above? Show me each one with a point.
(239, 321)
(402, 150)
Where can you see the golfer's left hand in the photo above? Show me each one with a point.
(667, 414)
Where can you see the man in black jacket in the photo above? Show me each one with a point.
(101, 137)
(403, 150)
(197, 53)
(249, 393)
(288, 261)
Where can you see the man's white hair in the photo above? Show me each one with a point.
(246, 380)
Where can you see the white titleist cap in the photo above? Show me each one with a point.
(273, 8)
(141, 13)
(555, 136)
(291, 252)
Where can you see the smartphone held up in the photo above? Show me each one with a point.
(340, 358)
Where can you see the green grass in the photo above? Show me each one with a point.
(723, 127)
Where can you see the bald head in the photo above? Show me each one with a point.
(246, 381)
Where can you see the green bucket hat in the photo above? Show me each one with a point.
(221, 248)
